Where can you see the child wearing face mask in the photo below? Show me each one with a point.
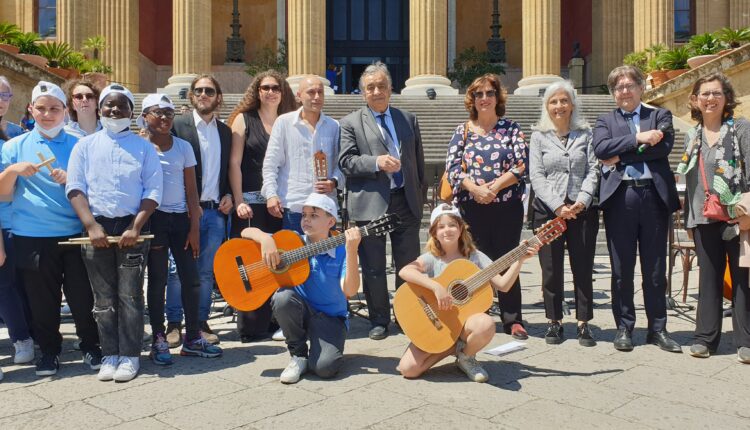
(42, 216)
(114, 183)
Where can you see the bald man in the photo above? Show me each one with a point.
(289, 174)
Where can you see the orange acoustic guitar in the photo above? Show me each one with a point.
(246, 282)
(433, 330)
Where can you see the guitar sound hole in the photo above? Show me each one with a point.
(459, 292)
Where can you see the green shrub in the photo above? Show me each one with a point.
(471, 64)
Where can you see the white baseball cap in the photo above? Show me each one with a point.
(44, 88)
(321, 201)
(161, 100)
(116, 88)
(444, 209)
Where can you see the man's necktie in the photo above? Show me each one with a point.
(393, 149)
(634, 170)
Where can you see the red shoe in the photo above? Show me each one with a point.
(518, 332)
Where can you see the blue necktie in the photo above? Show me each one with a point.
(634, 170)
(390, 142)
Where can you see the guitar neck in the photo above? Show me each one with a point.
(319, 247)
(500, 265)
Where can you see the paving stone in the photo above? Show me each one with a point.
(663, 414)
(71, 415)
(551, 414)
(431, 416)
(240, 408)
(20, 401)
(579, 392)
(143, 424)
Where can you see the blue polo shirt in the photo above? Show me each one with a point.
(11, 130)
(40, 207)
(322, 290)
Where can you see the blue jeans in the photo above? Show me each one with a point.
(213, 231)
(292, 221)
(12, 306)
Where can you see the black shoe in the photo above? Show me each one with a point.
(585, 338)
(554, 333)
(623, 340)
(47, 365)
(93, 358)
(378, 332)
(665, 342)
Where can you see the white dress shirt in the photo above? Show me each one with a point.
(288, 169)
(210, 144)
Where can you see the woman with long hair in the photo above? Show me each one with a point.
(267, 97)
(82, 108)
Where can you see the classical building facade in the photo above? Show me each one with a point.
(153, 44)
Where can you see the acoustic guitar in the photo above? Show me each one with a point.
(246, 282)
(433, 330)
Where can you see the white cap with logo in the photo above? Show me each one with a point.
(444, 209)
(321, 201)
(161, 100)
(116, 88)
(44, 88)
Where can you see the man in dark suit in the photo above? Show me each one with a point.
(211, 140)
(382, 158)
(637, 194)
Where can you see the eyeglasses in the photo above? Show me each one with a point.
(707, 94)
(168, 114)
(622, 88)
(81, 96)
(482, 94)
(208, 91)
(270, 88)
(6, 96)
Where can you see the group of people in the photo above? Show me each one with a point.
(165, 198)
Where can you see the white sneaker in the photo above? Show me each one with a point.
(108, 368)
(470, 366)
(294, 370)
(278, 335)
(24, 351)
(127, 368)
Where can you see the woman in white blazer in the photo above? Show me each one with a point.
(564, 175)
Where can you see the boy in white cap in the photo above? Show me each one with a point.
(42, 216)
(316, 310)
(174, 230)
(114, 184)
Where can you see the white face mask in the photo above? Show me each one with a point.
(115, 125)
(50, 132)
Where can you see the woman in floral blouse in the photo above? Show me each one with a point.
(487, 159)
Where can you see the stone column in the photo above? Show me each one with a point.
(739, 13)
(653, 23)
(191, 43)
(25, 15)
(428, 48)
(307, 41)
(541, 45)
(76, 21)
(118, 23)
(612, 37)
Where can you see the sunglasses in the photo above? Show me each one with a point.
(81, 96)
(168, 114)
(270, 88)
(208, 91)
(6, 96)
(482, 94)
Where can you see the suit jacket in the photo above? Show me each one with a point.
(612, 137)
(184, 128)
(557, 172)
(361, 142)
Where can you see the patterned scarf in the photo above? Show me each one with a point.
(728, 176)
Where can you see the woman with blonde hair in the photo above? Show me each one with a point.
(267, 97)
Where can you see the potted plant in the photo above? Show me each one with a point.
(94, 70)
(675, 61)
(8, 32)
(704, 48)
(55, 52)
(27, 45)
(733, 38)
(95, 44)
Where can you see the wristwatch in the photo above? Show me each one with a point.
(514, 170)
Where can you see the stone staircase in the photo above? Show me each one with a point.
(438, 119)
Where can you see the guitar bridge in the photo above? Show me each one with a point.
(431, 314)
(243, 274)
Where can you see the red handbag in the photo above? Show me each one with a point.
(712, 207)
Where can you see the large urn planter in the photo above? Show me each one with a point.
(36, 60)
(671, 74)
(98, 79)
(11, 49)
(658, 77)
(724, 52)
(700, 60)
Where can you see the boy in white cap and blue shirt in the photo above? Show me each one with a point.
(114, 184)
(176, 228)
(317, 310)
(41, 217)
